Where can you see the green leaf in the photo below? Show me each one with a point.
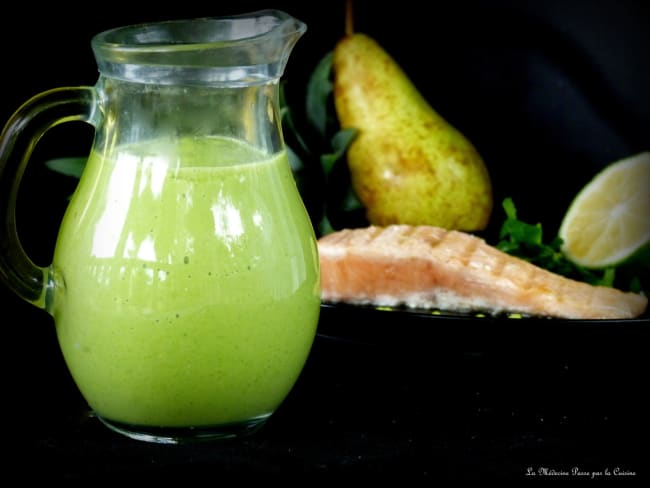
(351, 202)
(294, 161)
(325, 226)
(319, 89)
(68, 166)
(288, 123)
(516, 231)
(340, 143)
(342, 140)
(525, 241)
(608, 277)
(509, 207)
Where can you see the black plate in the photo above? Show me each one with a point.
(434, 330)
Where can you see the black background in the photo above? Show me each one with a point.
(549, 92)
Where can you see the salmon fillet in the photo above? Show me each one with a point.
(434, 268)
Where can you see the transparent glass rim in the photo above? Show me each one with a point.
(235, 49)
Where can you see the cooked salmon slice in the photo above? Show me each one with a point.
(434, 268)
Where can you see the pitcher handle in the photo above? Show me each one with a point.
(17, 141)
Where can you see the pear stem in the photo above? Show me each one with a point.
(349, 18)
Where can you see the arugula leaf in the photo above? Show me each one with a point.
(525, 240)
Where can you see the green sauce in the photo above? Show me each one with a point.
(188, 283)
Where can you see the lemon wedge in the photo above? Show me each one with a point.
(608, 222)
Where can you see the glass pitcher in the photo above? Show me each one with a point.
(185, 286)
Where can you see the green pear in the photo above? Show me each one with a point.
(407, 164)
